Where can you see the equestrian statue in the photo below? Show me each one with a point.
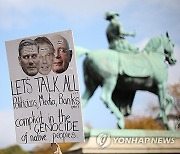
(121, 71)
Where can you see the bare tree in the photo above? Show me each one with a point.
(174, 90)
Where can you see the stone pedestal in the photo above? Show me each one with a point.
(128, 141)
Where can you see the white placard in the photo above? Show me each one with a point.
(45, 89)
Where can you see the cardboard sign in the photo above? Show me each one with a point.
(45, 89)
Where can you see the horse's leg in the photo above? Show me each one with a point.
(90, 83)
(170, 103)
(90, 88)
(161, 95)
(106, 96)
(89, 91)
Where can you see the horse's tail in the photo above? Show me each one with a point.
(80, 51)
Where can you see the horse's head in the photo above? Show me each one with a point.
(162, 45)
(168, 50)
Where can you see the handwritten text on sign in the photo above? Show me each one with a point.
(62, 125)
(44, 84)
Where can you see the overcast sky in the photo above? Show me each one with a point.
(20, 18)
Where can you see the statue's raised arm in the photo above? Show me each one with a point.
(116, 34)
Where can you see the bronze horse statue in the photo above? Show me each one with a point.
(121, 74)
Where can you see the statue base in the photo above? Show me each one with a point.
(128, 141)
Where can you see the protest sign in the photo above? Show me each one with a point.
(45, 89)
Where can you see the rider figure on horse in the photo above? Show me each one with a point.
(116, 35)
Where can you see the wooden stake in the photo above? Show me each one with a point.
(56, 148)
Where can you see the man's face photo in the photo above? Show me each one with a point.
(62, 55)
(29, 60)
(45, 58)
